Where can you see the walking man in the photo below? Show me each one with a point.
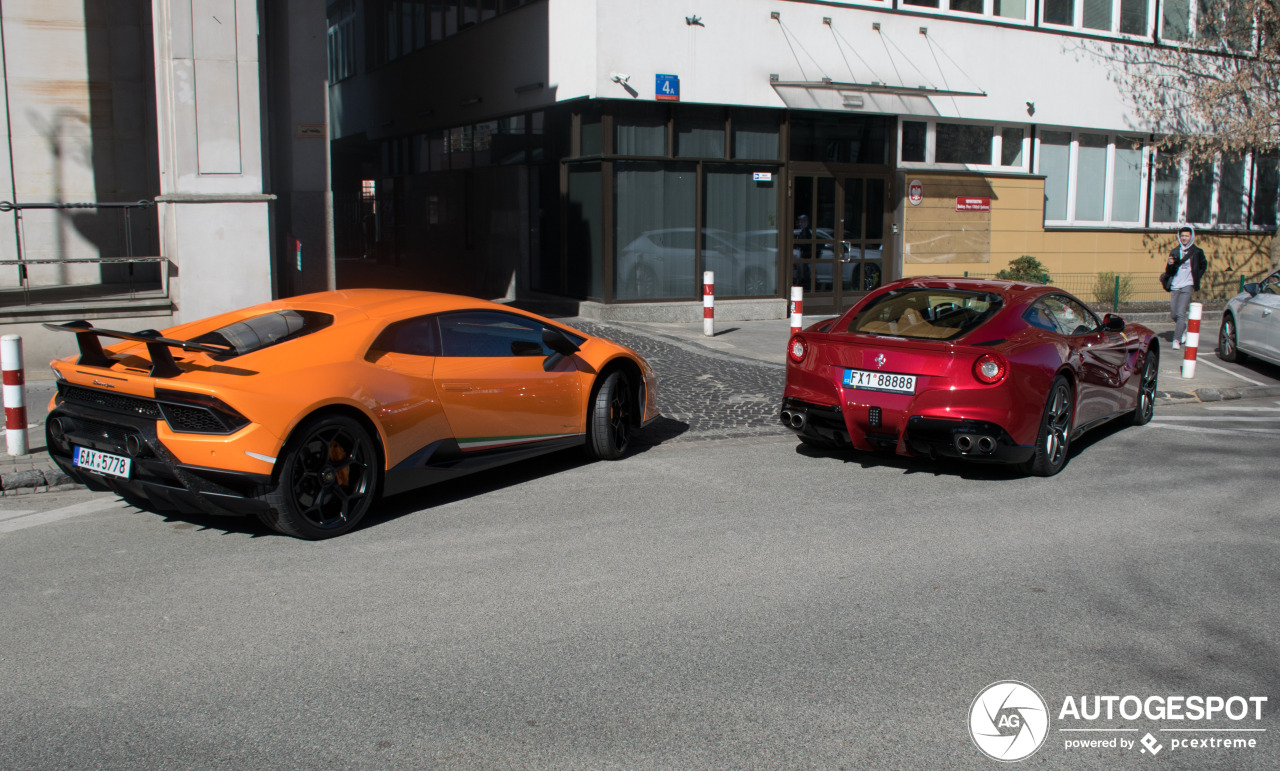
(1186, 265)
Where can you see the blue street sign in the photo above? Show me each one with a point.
(666, 88)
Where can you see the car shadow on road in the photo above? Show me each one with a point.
(972, 470)
(451, 491)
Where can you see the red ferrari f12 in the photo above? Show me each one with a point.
(966, 368)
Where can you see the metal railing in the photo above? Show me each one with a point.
(134, 282)
(1113, 291)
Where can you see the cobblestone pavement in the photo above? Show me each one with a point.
(702, 394)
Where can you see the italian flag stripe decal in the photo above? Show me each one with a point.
(490, 442)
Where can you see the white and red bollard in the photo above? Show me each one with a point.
(797, 308)
(1193, 340)
(709, 303)
(15, 400)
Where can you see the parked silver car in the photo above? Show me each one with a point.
(1251, 323)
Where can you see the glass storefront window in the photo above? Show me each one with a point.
(755, 135)
(741, 236)
(841, 139)
(641, 132)
(655, 235)
(584, 231)
(700, 136)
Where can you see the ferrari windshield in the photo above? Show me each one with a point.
(928, 313)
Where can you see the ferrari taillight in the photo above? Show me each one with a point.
(990, 368)
(797, 349)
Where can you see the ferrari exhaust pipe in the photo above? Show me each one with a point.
(964, 443)
(786, 417)
(986, 445)
(798, 420)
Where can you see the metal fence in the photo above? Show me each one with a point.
(1115, 291)
(127, 274)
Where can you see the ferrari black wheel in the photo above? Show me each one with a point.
(328, 479)
(1054, 438)
(610, 418)
(1146, 406)
(1227, 348)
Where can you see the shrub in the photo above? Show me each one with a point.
(1025, 268)
(1104, 288)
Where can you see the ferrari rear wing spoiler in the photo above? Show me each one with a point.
(162, 361)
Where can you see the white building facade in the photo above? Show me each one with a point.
(609, 152)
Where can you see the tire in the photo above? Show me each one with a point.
(1228, 349)
(609, 419)
(328, 479)
(1146, 406)
(1054, 437)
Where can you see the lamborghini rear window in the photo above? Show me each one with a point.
(926, 313)
(266, 330)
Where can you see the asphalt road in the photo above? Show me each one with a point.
(740, 603)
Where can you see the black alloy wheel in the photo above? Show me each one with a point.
(328, 480)
(609, 422)
(1054, 439)
(1228, 350)
(1146, 406)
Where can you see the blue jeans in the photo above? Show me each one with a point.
(1179, 300)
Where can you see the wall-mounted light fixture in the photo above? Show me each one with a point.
(775, 16)
(826, 20)
(694, 21)
(924, 31)
(1031, 108)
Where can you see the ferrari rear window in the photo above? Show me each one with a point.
(926, 313)
(266, 330)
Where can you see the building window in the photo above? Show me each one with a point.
(655, 238)
(1091, 179)
(972, 145)
(1213, 24)
(342, 49)
(1007, 10)
(755, 135)
(1229, 191)
(1127, 17)
(641, 131)
(964, 143)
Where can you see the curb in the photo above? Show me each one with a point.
(28, 479)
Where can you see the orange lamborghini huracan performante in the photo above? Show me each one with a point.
(304, 411)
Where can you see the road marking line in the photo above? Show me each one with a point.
(34, 519)
(1207, 363)
(1221, 418)
(1229, 432)
(1226, 408)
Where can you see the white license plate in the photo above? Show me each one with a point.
(101, 462)
(866, 380)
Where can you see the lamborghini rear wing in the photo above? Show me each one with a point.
(162, 361)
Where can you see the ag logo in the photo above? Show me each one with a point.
(1008, 721)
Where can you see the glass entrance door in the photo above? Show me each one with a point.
(838, 238)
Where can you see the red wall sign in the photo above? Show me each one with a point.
(972, 204)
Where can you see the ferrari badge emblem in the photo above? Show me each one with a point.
(880, 361)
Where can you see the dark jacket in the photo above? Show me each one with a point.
(1199, 263)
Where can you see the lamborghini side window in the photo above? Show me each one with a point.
(491, 334)
(416, 337)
